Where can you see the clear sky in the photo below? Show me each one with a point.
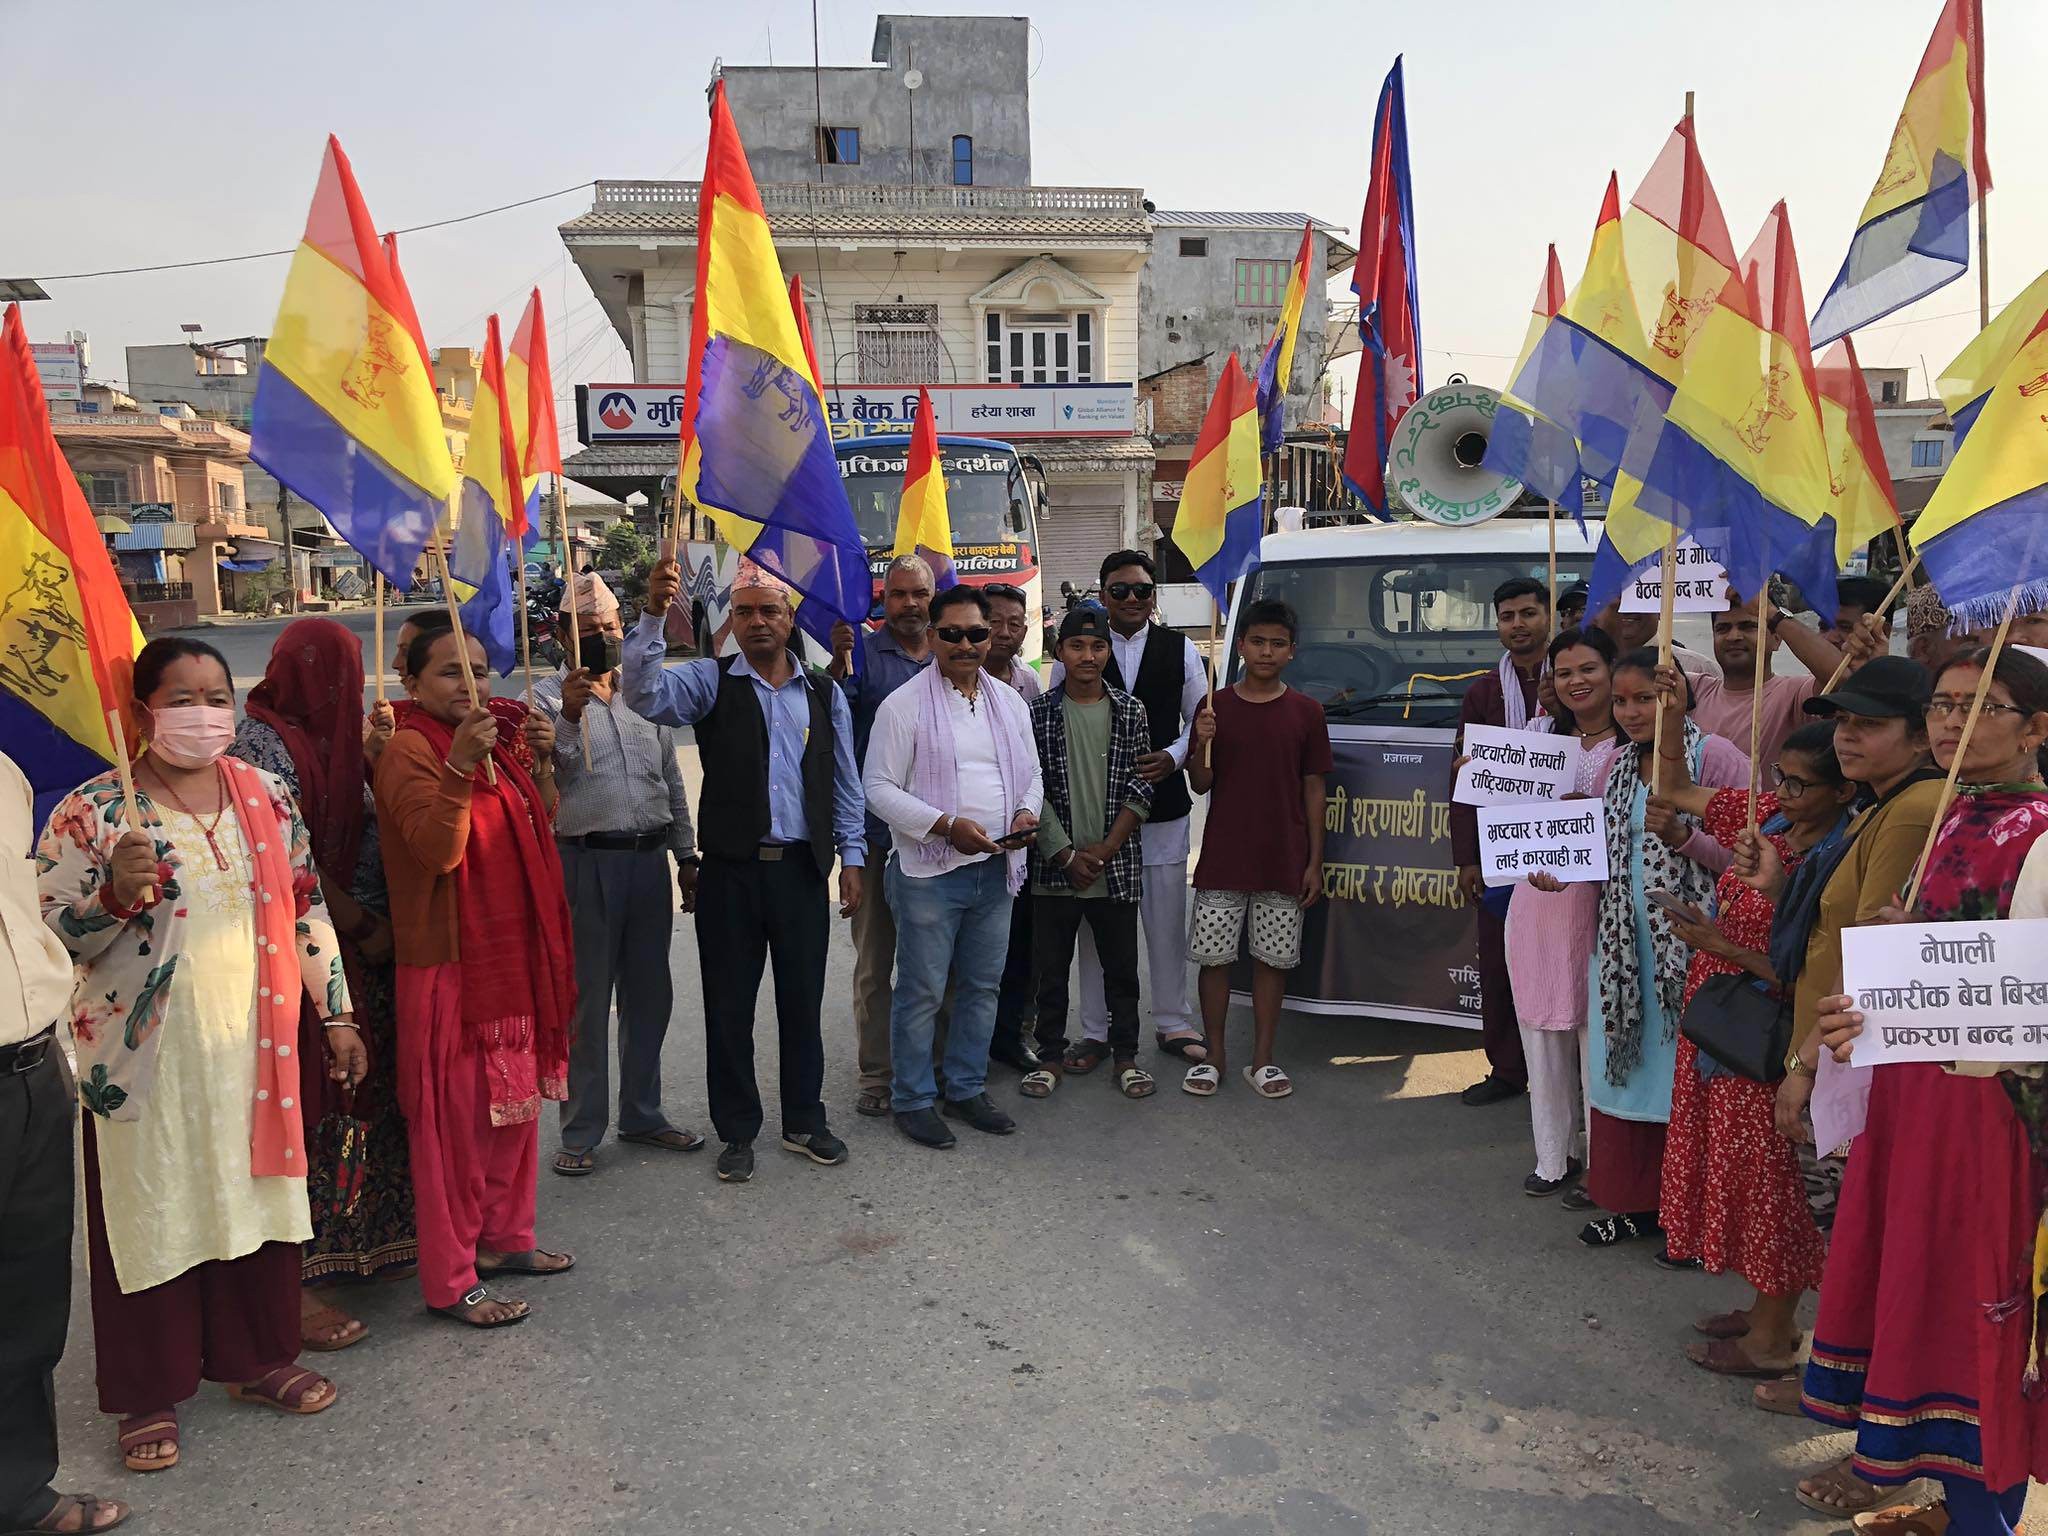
(140, 134)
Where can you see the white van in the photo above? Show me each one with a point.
(1396, 620)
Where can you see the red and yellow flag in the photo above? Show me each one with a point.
(923, 525)
(1864, 504)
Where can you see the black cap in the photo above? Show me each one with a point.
(1889, 688)
(1086, 622)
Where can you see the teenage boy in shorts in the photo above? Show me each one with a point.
(1260, 752)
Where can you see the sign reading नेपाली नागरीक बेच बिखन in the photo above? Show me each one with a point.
(1567, 841)
(1948, 991)
(1508, 767)
(1699, 573)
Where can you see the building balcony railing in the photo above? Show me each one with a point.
(680, 198)
(157, 591)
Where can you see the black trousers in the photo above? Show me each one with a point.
(749, 912)
(1499, 1031)
(1055, 928)
(37, 1188)
(1020, 975)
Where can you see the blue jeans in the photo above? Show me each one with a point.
(957, 923)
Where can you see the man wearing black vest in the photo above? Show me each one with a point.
(780, 798)
(1163, 671)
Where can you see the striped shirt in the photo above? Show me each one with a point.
(634, 782)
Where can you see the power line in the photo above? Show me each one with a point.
(222, 261)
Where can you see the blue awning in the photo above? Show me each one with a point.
(248, 565)
(143, 536)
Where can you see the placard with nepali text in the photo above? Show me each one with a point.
(1568, 841)
(1508, 767)
(1700, 576)
(1949, 991)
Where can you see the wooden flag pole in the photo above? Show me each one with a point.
(573, 605)
(1983, 260)
(1756, 698)
(1550, 517)
(1215, 619)
(1670, 570)
(461, 640)
(377, 597)
(118, 734)
(525, 641)
(1842, 667)
(1948, 788)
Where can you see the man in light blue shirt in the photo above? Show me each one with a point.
(781, 797)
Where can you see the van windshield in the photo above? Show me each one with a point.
(1396, 641)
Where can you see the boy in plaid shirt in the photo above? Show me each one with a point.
(1085, 864)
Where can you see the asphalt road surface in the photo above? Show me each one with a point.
(1335, 1313)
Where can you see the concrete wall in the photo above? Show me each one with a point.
(1188, 306)
(167, 373)
(976, 81)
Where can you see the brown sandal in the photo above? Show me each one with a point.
(318, 1327)
(1727, 1357)
(286, 1389)
(1085, 1056)
(1852, 1495)
(1904, 1520)
(1781, 1396)
(148, 1429)
(88, 1507)
(1722, 1325)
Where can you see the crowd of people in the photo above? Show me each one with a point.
(322, 968)
(1673, 1025)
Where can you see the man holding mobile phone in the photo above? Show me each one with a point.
(950, 769)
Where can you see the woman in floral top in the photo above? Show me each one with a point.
(195, 937)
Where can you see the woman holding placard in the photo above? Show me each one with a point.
(1935, 1280)
(1636, 974)
(1733, 1195)
(1550, 927)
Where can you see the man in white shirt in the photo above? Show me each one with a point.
(37, 1186)
(951, 768)
(1163, 671)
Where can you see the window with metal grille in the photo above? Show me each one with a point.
(104, 490)
(963, 160)
(1194, 245)
(1261, 284)
(897, 343)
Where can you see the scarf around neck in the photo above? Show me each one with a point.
(1622, 983)
(935, 770)
(1514, 708)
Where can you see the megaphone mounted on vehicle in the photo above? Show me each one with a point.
(1437, 462)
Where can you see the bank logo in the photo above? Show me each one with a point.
(617, 411)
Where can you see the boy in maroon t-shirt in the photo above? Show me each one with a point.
(1263, 750)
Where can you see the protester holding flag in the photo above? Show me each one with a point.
(620, 821)
(304, 726)
(1949, 1166)
(780, 799)
(486, 986)
(195, 938)
(952, 768)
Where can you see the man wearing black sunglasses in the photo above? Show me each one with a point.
(1163, 671)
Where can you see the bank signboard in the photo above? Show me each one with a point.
(649, 413)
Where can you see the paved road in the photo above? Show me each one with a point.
(1331, 1314)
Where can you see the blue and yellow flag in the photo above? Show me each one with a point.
(1524, 442)
(1276, 367)
(1985, 533)
(67, 637)
(493, 512)
(757, 450)
(1965, 384)
(1221, 516)
(345, 412)
(1914, 232)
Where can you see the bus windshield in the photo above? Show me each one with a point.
(979, 491)
(1397, 640)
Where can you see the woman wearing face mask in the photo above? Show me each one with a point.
(1550, 928)
(304, 724)
(1636, 977)
(1932, 1295)
(195, 939)
(1733, 1194)
(486, 973)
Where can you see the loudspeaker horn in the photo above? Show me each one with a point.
(1437, 462)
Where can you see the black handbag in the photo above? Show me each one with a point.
(1737, 1021)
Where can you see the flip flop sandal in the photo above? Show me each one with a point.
(872, 1102)
(1086, 1056)
(148, 1429)
(1039, 1084)
(1268, 1082)
(286, 1389)
(1857, 1496)
(1134, 1083)
(571, 1164)
(460, 1310)
(1780, 1396)
(527, 1263)
(326, 1319)
(1202, 1081)
(88, 1508)
(1182, 1045)
(1727, 1357)
(683, 1141)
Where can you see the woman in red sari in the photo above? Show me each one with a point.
(1928, 1341)
(1733, 1195)
(485, 974)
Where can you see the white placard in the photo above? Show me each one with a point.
(1568, 841)
(1507, 767)
(1949, 991)
(1699, 566)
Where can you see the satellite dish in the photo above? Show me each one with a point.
(912, 79)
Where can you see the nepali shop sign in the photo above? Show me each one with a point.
(651, 413)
